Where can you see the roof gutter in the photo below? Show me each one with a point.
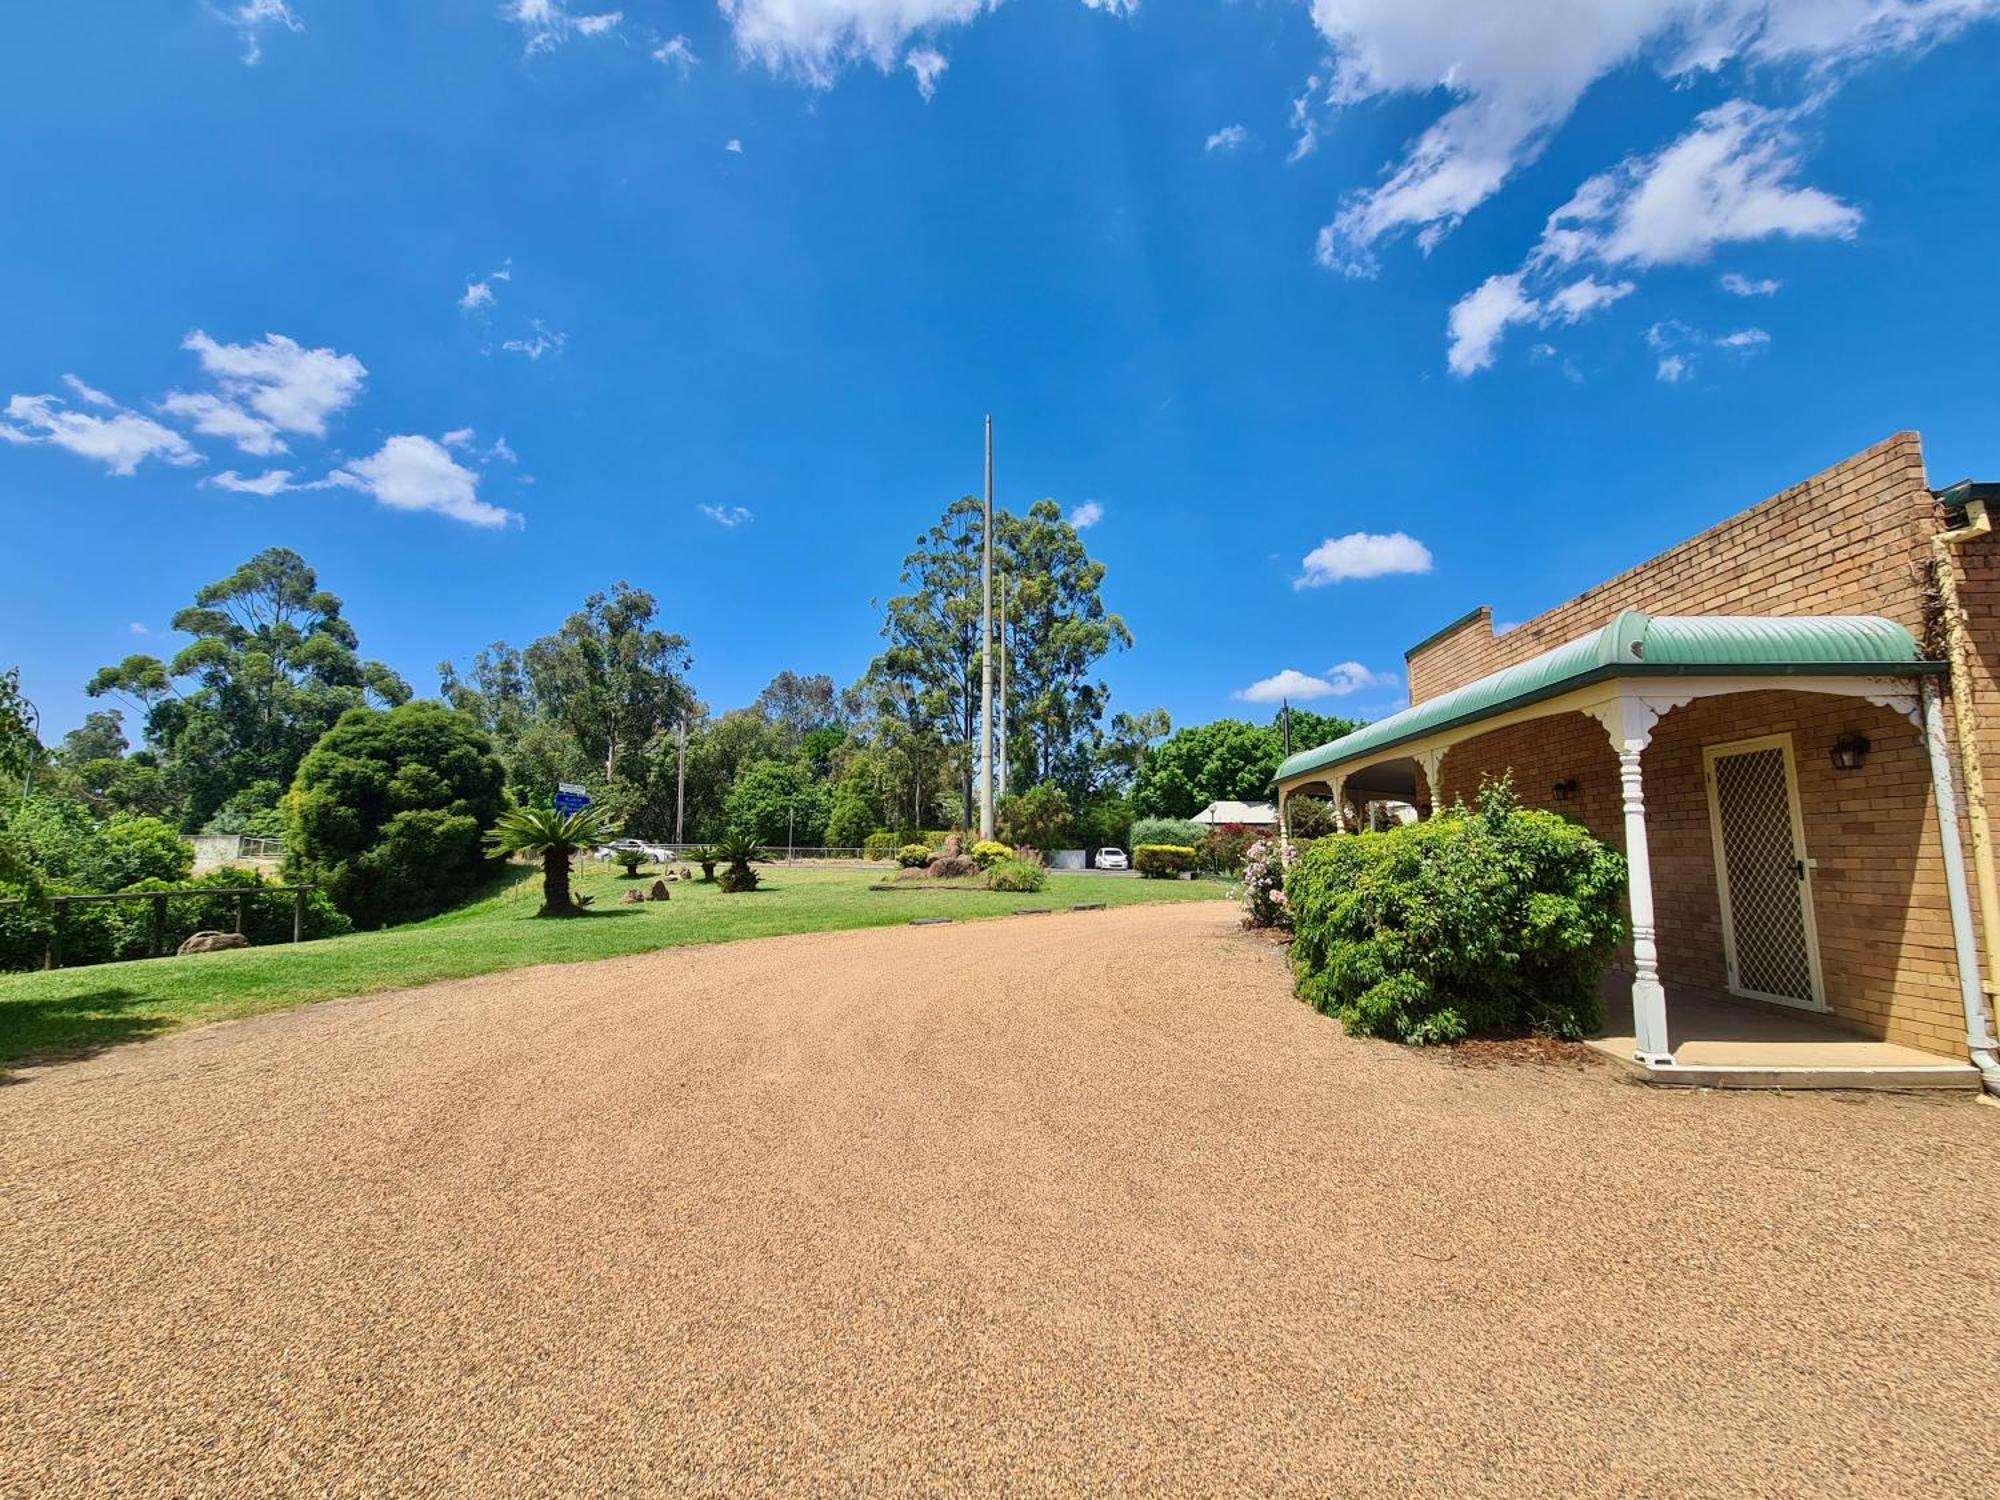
(1608, 670)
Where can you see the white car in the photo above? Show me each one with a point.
(1112, 859)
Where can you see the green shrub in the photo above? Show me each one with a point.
(913, 856)
(1498, 922)
(1162, 861)
(987, 853)
(1311, 818)
(628, 861)
(388, 810)
(880, 845)
(1016, 875)
(1179, 833)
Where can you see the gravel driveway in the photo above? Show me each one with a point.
(1074, 1203)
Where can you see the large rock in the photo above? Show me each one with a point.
(659, 892)
(632, 898)
(211, 942)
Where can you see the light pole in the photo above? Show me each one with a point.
(986, 653)
(791, 814)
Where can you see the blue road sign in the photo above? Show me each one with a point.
(571, 798)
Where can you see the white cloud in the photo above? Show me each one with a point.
(1673, 369)
(549, 23)
(1363, 554)
(813, 40)
(464, 437)
(1744, 338)
(1481, 316)
(270, 482)
(1727, 181)
(1739, 285)
(1580, 299)
(676, 52)
(1086, 515)
(137, 629)
(252, 17)
(727, 515)
(1305, 127)
(294, 388)
(414, 473)
(1678, 345)
(1338, 682)
(732, 144)
(213, 416)
(928, 64)
(545, 341)
(1514, 73)
(1228, 138)
(121, 441)
(86, 392)
(479, 294)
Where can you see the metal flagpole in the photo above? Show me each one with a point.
(1000, 729)
(681, 782)
(986, 654)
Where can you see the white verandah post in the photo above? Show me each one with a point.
(1630, 722)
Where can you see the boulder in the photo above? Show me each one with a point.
(632, 898)
(211, 942)
(659, 892)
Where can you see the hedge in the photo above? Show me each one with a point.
(1163, 861)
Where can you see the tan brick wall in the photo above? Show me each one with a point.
(1852, 540)
(1878, 889)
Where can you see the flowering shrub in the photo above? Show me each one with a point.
(988, 853)
(1264, 867)
(1162, 861)
(913, 856)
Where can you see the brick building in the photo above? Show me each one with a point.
(1764, 718)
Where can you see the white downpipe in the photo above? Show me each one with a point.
(1979, 1039)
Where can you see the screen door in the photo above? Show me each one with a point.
(1762, 873)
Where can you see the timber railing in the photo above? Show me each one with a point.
(156, 946)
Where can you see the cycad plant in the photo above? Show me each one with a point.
(734, 852)
(554, 838)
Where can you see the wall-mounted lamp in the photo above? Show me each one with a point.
(1850, 751)
(1563, 791)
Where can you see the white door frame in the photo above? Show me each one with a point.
(1807, 902)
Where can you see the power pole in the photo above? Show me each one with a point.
(986, 654)
(681, 780)
(1000, 737)
(1288, 727)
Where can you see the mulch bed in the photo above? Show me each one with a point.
(1529, 1051)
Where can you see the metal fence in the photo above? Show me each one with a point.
(156, 947)
(794, 854)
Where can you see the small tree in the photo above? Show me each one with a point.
(1038, 817)
(555, 839)
(387, 810)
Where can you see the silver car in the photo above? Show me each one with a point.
(1112, 859)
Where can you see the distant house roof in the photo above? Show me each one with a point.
(1238, 812)
(1636, 644)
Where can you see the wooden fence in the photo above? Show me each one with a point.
(52, 958)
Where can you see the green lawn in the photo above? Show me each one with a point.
(76, 1011)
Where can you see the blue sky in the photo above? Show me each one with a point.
(1344, 319)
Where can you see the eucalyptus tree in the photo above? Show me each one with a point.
(273, 663)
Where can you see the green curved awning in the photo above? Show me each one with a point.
(1642, 645)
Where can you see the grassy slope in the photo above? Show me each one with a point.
(79, 1010)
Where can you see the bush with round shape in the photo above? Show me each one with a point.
(1039, 816)
(1497, 922)
(988, 852)
(388, 808)
(1163, 861)
(913, 856)
(1224, 847)
(1016, 875)
(880, 845)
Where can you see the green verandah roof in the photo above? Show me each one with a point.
(1642, 645)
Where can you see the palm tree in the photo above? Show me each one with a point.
(734, 852)
(554, 838)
